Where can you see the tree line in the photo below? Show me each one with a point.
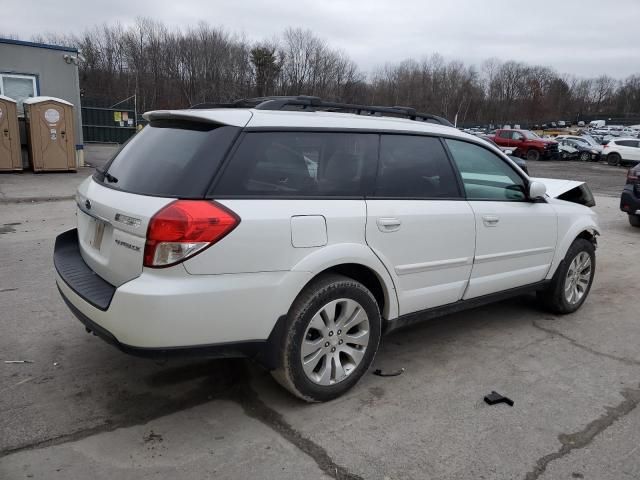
(176, 68)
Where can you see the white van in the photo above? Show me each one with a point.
(597, 123)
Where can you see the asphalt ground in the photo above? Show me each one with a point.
(81, 409)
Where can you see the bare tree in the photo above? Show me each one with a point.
(174, 68)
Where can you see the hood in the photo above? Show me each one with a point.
(556, 186)
(569, 190)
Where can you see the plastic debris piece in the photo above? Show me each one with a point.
(494, 397)
(18, 361)
(393, 373)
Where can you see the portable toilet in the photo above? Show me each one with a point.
(10, 153)
(50, 128)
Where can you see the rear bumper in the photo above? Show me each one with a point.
(630, 199)
(223, 350)
(73, 270)
(170, 312)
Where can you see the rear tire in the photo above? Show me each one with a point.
(634, 220)
(573, 279)
(614, 159)
(333, 332)
(533, 155)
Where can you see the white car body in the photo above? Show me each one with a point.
(627, 148)
(424, 253)
(596, 149)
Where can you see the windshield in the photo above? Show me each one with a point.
(589, 140)
(530, 135)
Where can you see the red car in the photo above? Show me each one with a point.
(527, 144)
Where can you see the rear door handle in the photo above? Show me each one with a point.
(388, 224)
(490, 220)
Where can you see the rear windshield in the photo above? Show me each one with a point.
(169, 158)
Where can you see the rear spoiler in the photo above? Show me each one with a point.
(232, 117)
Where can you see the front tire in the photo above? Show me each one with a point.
(585, 156)
(573, 279)
(333, 332)
(533, 155)
(634, 220)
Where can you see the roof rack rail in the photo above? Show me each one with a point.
(311, 104)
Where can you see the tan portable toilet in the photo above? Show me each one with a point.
(10, 153)
(50, 134)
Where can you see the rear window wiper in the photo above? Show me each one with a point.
(107, 176)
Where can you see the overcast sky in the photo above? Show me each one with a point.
(580, 37)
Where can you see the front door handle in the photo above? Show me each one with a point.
(388, 224)
(490, 220)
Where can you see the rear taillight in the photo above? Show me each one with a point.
(184, 228)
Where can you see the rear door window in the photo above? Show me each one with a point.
(300, 164)
(170, 158)
(414, 167)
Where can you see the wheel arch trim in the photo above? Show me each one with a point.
(580, 229)
(338, 255)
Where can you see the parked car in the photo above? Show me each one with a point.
(597, 123)
(568, 150)
(619, 151)
(580, 123)
(600, 136)
(509, 152)
(562, 124)
(234, 247)
(630, 199)
(587, 148)
(628, 132)
(612, 130)
(527, 143)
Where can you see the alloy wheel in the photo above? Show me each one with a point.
(335, 341)
(578, 278)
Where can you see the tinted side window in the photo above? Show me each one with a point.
(505, 134)
(414, 167)
(300, 163)
(484, 174)
(625, 143)
(170, 159)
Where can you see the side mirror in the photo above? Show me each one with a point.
(537, 190)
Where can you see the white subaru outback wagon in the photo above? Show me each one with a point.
(296, 232)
